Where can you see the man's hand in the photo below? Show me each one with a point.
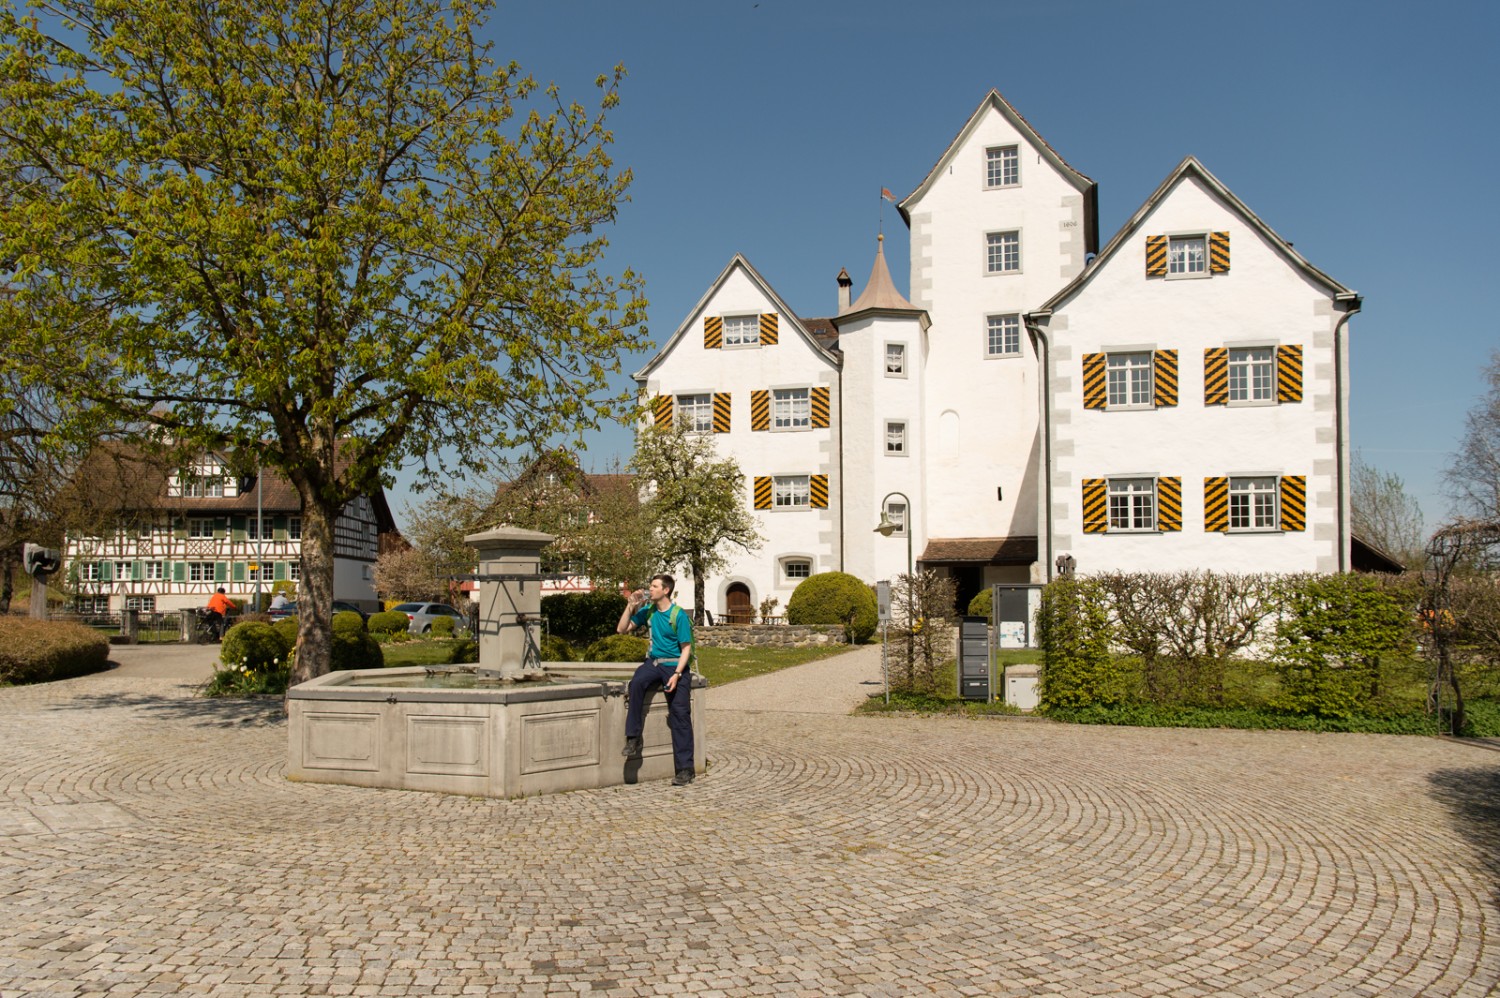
(672, 682)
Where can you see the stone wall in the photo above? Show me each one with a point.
(770, 635)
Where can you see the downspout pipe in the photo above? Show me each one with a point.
(1043, 348)
(1350, 305)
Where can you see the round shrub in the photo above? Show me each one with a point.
(583, 617)
(834, 598)
(441, 628)
(617, 648)
(287, 628)
(355, 650)
(464, 651)
(255, 645)
(555, 649)
(35, 651)
(346, 621)
(387, 622)
(983, 603)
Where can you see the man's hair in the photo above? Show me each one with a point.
(667, 581)
(220, 590)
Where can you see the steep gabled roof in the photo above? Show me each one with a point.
(1190, 167)
(737, 262)
(993, 101)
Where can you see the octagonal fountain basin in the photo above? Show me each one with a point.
(470, 731)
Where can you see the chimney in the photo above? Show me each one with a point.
(846, 286)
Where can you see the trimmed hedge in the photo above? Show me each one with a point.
(583, 617)
(617, 648)
(555, 649)
(36, 651)
(441, 627)
(983, 603)
(387, 622)
(835, 598)
(464, 651)
(256, 645)
(346, 621)
(355, 650)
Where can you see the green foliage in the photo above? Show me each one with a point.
(920, 604)
(441, 627)
(242, 679)
(1073, 624)
(983, 603)
(256, 645)
(835, 598)
(38, 651)
(617, 648)
(346, 621)
(287, 628)
(464, 651)
(583, 617)
(1412, 722)
(387, 622)
(356, 650)
(555, 649)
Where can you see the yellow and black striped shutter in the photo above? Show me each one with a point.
(768, 332)
(1216, 376)
(1218, 252)
(1094, 392)
(1156, 256)
(721, 412)
(662, 407)
(1293, 502)
(819, 400)
(1216, 505)
(760, 410)
(762, 491)
(713, 332)
(1095, 505)
(817, 488)
(1165, 362)
(1169, 503)
(1289, 374)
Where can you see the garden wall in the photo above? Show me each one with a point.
(769, 635)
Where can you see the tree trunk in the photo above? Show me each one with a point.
(315, 590)
(698, 595)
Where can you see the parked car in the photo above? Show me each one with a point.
(339, 606)
(421, 616)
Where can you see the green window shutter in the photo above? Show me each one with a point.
(1156, 256)
(713, 332)
(179, 571)
(762, 491)
(721, 412)
(760, 410)
(106, 571)
(818, 398)
(239, 571)
(1095, 505)
(1294, 502)
(1218, 252)
(1168, 503)
(221, 527)
(221, 571)
(181, 529)
(278, 527)
(137, 571)
(818, 491)
(768, 331)
(1289, 374)
(1095, 393)
(1216, 376)
(278, 574)
(1216, 505)
(237, 528)
(1165, 362)
(662, 407)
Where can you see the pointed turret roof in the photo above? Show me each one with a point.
(880, 294)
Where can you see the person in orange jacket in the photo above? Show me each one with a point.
(218, 609)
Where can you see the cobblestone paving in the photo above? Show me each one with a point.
(149, 844)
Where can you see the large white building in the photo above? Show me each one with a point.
(1176, 400)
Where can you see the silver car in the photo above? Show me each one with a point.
(421, 615)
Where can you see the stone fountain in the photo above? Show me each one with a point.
(512, 726)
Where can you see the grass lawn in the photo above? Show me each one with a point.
(433, 651)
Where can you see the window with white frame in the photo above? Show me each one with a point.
(791, 409)
(90, 571)
(1187, 256)
(294, 528)
(202, 484)
(294, 571)
(1002, 335)
(143, 531)
(895, 360)
(143, 604)
(1132, 504)
(1253, 503)
(695, 413)
(896, 513)
(741, 330)
(1002, 252)
(256, 572)
(895, 438)
(792, 492)
(796, 569)
(200, 571)
(1002, 166)
(1252, 374)
(156, 571)
(257, 528)
(123, 571)
(1129, 379)
(200, 527)
(93, 604)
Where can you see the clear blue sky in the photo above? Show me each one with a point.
(1360, 131)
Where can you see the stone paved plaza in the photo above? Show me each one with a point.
(151, 845)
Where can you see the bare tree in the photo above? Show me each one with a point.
(1473, 479)
(1384, 514)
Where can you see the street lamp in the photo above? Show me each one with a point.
(887, 526)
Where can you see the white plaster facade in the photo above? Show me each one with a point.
(998, 437)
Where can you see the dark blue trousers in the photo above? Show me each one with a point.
(646, 680)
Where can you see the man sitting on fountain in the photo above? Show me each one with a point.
(666, 665)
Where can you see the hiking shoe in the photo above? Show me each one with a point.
(632, 749)
(683, 778)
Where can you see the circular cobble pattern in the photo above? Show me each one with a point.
(820, 855)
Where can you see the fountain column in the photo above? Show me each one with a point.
(510, 595)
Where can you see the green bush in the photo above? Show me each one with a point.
(583, 617)
(1073, 625)
(387, 622)
(355, 650)
(834, 598)
(555, 649)
(441, 628)
(35, 651)
(464, 651)
(255, 645)
(617, 648)
(983, 603)
(347, 621)
(287, 628)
